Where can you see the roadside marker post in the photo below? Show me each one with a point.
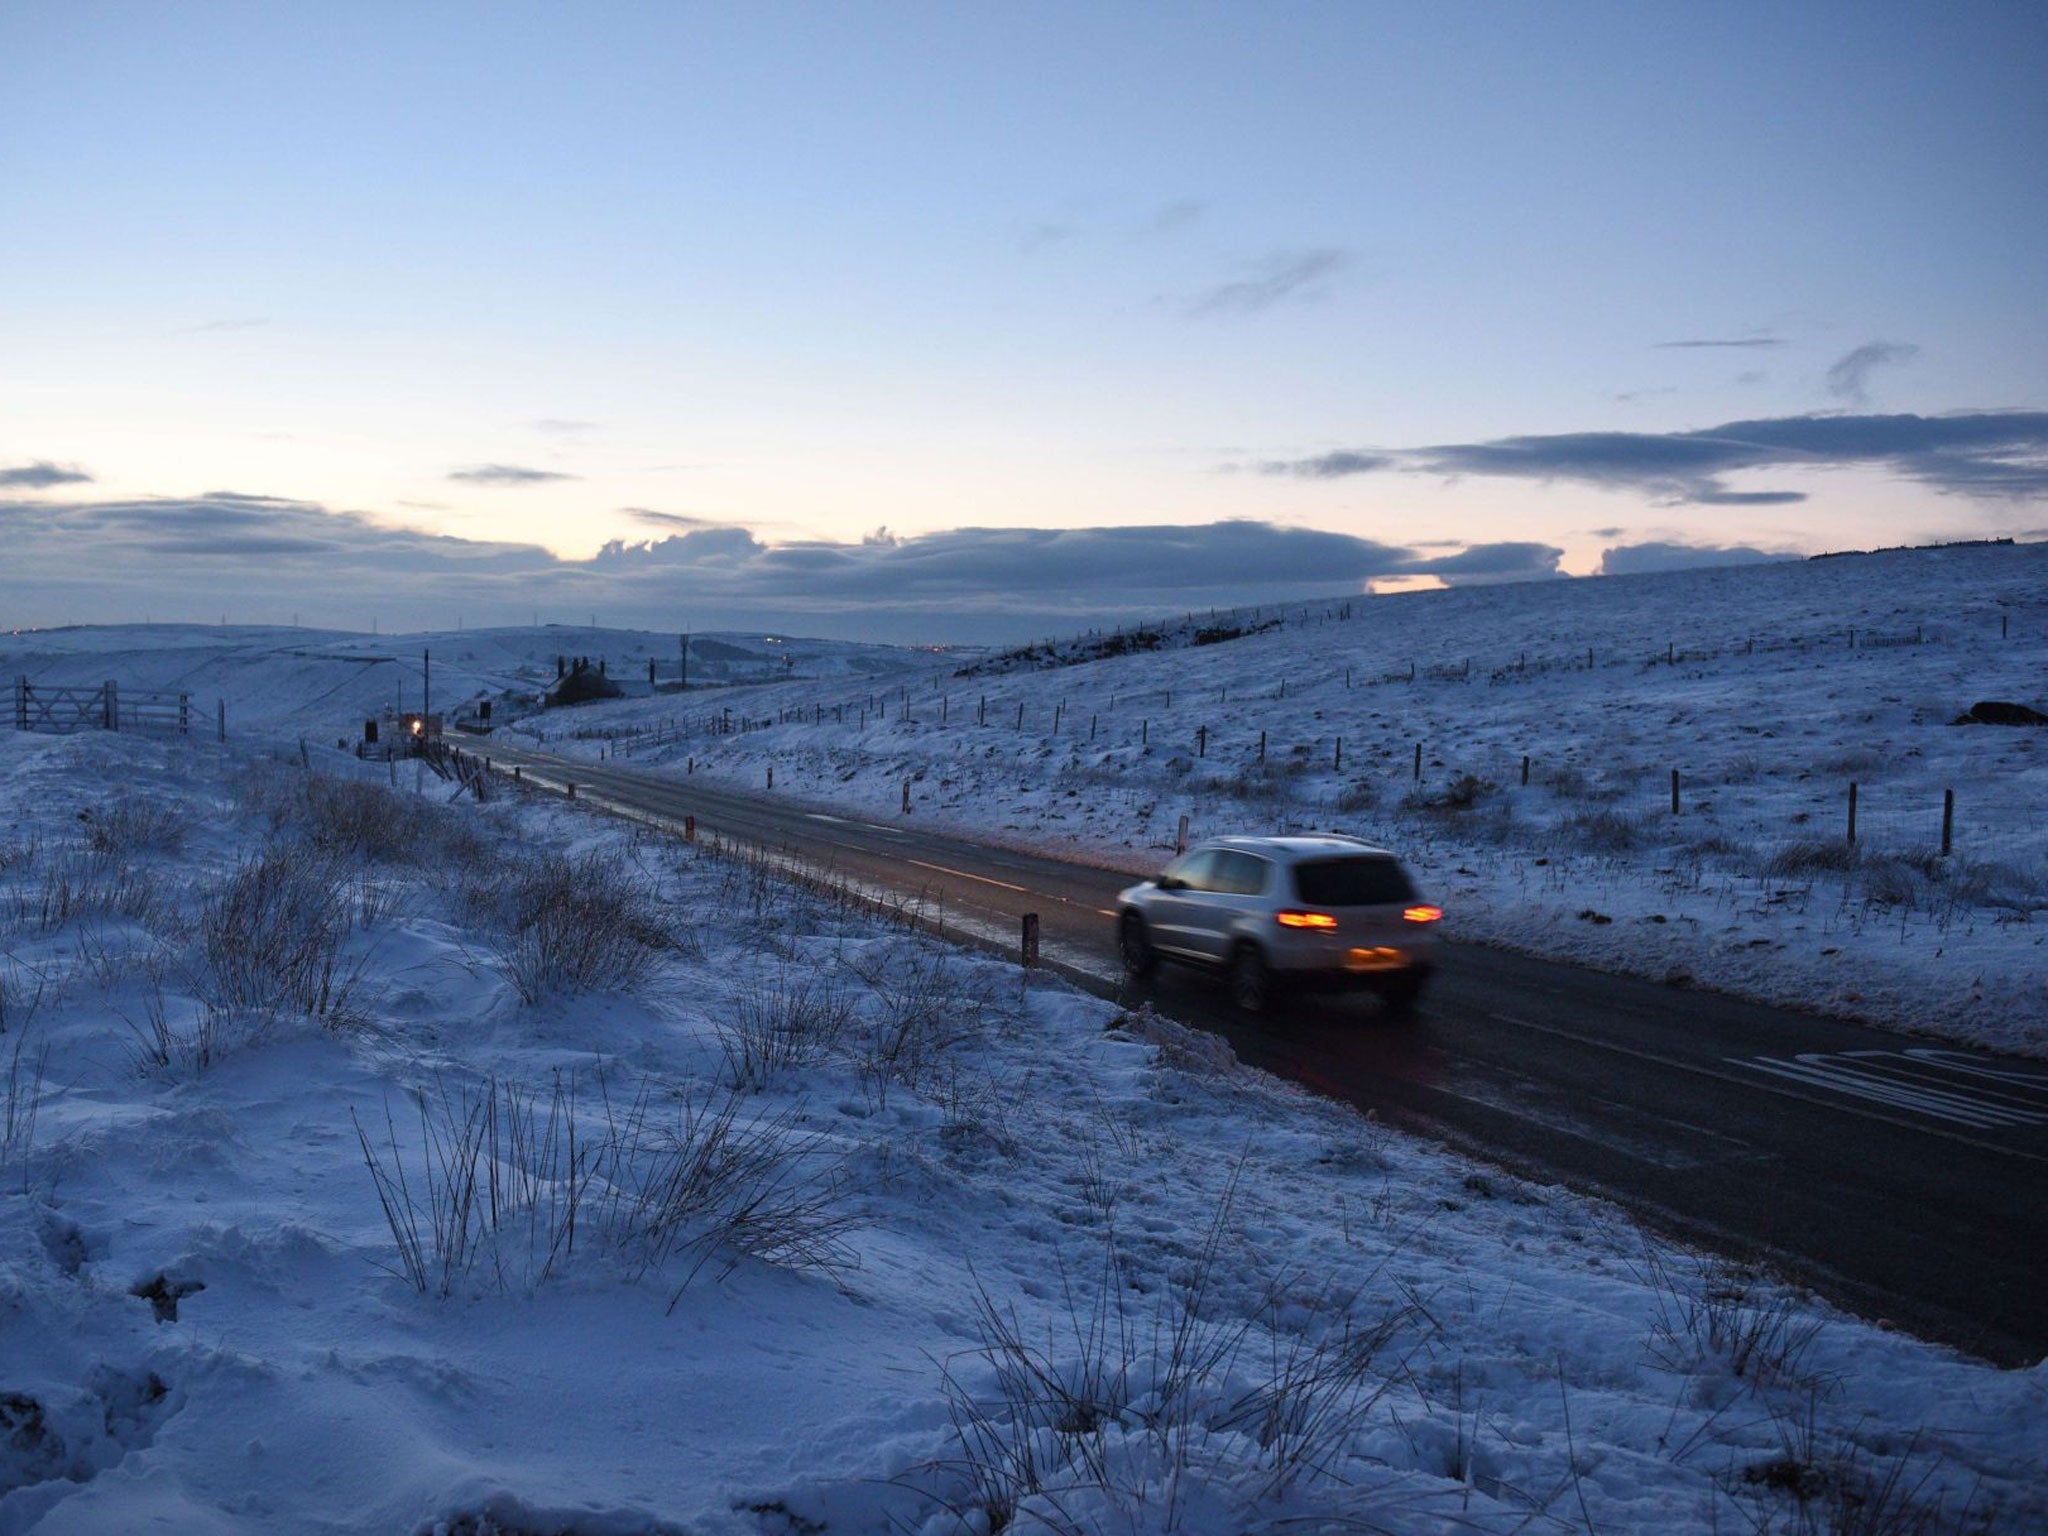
(1030, 956)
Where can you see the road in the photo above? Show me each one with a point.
(1901, 1178)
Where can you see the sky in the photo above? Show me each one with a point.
(924, 322)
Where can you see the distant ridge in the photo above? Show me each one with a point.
(1899, 549)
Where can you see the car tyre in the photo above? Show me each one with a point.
(1135, 945)
(1401, 996)
(1251, 982)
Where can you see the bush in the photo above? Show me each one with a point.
(583, 924)
(1810, 856)
(270, 939)
(353, 819)
(771, 1028)
(1458, 796)
(506, 1183)
(131, 826)
(1601, 831)
(1358, 795)
(79, 881)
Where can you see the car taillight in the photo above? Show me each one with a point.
(1423, 914)
(1320, 921)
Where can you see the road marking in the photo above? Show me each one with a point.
(1875, 1111)
(964, 875)
(1936, 1084)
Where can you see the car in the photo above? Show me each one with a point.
(1322, 911)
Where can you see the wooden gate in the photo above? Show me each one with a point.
(38, 707)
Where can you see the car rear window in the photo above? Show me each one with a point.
(1352, 882)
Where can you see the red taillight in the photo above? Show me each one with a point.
(1423, 914)
(1322, 922)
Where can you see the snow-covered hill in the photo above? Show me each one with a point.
(1770, 690)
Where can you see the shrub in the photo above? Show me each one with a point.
(1358, 795)
(1812, 855)
(1246, 1413)
(354, 819)
(270, 939)
(131, 826)
(922, 1006)
(582, 924)
(505, 1184)
(1601, 831)
(79, 881)
(771, 1028)
(1454, 798)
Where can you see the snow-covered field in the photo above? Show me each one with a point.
(354, 1180)
(856, 1233)
(1770, 690)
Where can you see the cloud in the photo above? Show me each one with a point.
(1047, 232)
(1726, 341)
(505, 474)
(1657, 555)
(1847, 379)
(250, 324)
(556, 426)
(256, 556)
(1283, 277)
(1987, 454)
(1168, 218)
(665, 519)
(1512, 561)
(40, 476)
(1329, 466)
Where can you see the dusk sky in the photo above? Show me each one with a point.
(973, 322)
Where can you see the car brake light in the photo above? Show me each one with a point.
(1322, 921)
(1423, 914)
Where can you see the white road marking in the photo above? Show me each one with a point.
(1940, 1085)
(964, 875)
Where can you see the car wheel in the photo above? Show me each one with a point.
(1250, 982)
(1140, 958)
(1401, 995)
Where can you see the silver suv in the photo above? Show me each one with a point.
(1319, 910)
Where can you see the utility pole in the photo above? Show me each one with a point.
(686, 661)
(426, 686)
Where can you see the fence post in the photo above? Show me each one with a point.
(1339, 765)
(771, 775)
(220, 719)
(1852, 813)
(689, 829)
(1262, 746)
(906, 797)
(184, 714)
(1201, 741)
(1948, 821)
(21, 701)
(1020, 714)
(111, 702)
(1030, 955)
(1525, 770)
(1418, 762)
(1674, 791)
(1144, 733)
(1057, 710)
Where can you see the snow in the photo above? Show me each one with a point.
(970, 1246)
